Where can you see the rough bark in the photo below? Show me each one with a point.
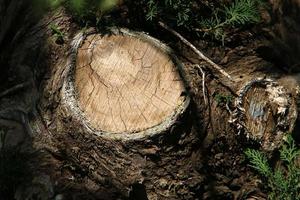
(140, 157)
(164, 165)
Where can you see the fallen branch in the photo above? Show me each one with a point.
(14, 88)
(199, 53)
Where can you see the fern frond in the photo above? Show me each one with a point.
(239, 13)
(183, 16)
(152, 10)
(242, 12)
(284, 182)
(289, 152)
(278, 180)
(259, 162)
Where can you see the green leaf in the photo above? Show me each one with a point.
(284, 182)
(259, 162)
(289, 152)
(279, 180)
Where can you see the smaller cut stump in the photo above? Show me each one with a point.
(124, 85)
(266, 112)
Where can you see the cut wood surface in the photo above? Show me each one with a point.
(126, 83)
(267, 112)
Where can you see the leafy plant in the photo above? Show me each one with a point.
(179, 11)
(185, 13)
(190, 15)
(239, 13)
(284, 181)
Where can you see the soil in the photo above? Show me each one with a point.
(202, 157)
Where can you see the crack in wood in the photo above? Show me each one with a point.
(141, 86)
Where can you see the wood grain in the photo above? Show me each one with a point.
(258, 116)
(126, 84)
(266, 112)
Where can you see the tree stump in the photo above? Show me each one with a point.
(124, 86)
(109, 120)
(120, 102)
(266, 112)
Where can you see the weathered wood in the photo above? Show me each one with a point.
(124, 86)
(111, 154)
(266, 112)
(165, 160)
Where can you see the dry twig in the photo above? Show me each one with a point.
(199, 53)
(203, 83)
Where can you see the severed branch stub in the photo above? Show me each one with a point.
(124, 85)
(265, 112)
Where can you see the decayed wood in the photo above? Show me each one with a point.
(125, 86)
(266, 112)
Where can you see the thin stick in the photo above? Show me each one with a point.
(199, 53)
(203, 83)
(14, 88)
